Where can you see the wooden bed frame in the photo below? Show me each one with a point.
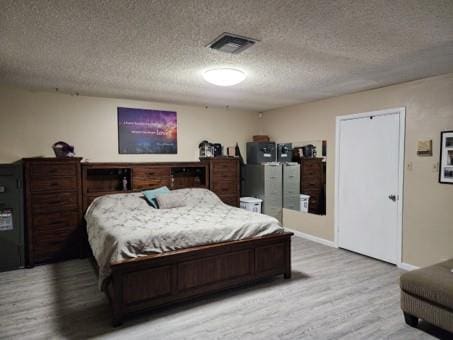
(157, 280)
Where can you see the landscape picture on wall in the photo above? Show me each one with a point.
(143, 131)
(446, 157)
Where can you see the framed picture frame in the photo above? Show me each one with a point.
(145, 131)
(446, 157)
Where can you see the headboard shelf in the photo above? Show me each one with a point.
(107, 178)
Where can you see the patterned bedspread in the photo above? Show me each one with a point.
(124, 226)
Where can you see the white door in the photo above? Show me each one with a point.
(369, 185)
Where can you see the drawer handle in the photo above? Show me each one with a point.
(57, 222)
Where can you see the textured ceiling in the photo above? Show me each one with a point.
(154, 50)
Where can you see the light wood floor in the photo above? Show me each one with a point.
(334, 294)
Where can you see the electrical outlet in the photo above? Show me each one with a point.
(436, 167)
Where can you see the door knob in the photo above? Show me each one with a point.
(392, 197)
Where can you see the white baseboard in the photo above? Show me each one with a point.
(407, 266)
(312, 238)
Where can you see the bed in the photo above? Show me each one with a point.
(149, 257)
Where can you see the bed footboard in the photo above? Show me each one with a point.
(158, 280)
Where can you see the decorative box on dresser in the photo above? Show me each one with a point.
(224, 178)
(53, 202)
(312, 182)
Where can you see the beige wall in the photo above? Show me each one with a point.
(428, 205)
(32, 121)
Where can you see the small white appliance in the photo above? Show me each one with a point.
(251, 204)
(304, 200)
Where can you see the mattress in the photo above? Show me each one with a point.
(122, 227)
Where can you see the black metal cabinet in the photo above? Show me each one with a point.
(11, 217)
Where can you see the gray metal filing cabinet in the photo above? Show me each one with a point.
(284, 152)
(291, 186)
(261, 152)
(11, 217)
(265, 182)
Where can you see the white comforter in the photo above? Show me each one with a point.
(124, 226)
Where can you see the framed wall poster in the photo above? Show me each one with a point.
(446, 157)
(144, 131)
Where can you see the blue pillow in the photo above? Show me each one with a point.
(151, 195)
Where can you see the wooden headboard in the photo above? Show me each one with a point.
(107, 178)
(59, 190)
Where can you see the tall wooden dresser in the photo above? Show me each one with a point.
(52, 208)
(224, 178)
(312, 182)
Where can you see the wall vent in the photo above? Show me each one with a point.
(231, 43)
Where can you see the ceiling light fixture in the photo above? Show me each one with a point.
(224, 76)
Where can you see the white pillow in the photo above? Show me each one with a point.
(170, 200)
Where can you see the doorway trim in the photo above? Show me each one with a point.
(401, 111)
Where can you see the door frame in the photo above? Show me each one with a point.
(401, 111)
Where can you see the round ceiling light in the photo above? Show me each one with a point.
(224, 76)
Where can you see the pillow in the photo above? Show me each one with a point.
(170, 200)
(151, 195)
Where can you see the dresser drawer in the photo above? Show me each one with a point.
(311, 165)
(312, 192)
(315, 171)
(142, 183)
(56, 246)
(315, 199)
(311, 174)
(224, 174)
(54, 202)
(151, 171)
(225, 187)
(232, 200)
(55, 234)
(311, 182)
(55, 220)
(224, 166)
(313, 206)
(40, 170)
(54, 184)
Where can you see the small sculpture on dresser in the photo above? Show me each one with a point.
(63, 149)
